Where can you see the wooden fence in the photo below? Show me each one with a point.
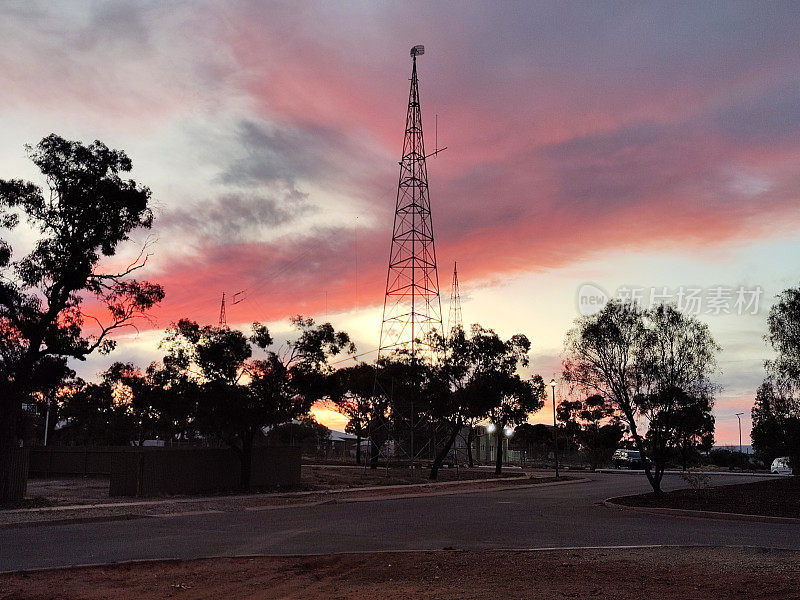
(153, 472)
(16, 460)
(85, 461)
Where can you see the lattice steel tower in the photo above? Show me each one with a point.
(412, 308)
(454, 316)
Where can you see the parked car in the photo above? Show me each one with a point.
(627, 459)
(780, 466)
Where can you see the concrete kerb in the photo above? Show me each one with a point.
(328, 497)
(725, 473)
(188, 500)
(136, 561)
(467, 491)
(699, 514)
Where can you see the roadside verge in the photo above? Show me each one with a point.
(698, 514)
(174, 507)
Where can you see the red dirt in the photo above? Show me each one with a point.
(685, 573)
(771, 497)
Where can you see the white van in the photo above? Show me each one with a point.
(780, 466)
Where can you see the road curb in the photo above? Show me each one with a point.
(467, 491)
(700, 514)
(671, 472)
(186, 500)
(137, 561)
(73, 521)
(301, 494)
(325, 497)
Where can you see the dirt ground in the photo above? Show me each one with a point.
(63, 507)
(684, 573)
(771, 497)
(317, 477)
(65, 491)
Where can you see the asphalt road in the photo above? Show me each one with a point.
(547, 517)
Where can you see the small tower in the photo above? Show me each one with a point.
(237, 298)
(222, 318)
(454, 316)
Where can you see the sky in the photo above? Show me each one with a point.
(594, 150)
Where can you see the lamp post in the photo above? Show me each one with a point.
(739, 418)
(555, 426)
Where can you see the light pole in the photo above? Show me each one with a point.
(739, 418)
(555, 426)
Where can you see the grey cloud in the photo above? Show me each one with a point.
(275, 154)
(772, 117)
(115, 22)
(235, 217)
(625, 165)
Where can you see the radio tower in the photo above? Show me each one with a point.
(454, 316)
(412, 308)
(237, 297)
(222, 318)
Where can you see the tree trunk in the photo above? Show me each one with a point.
(437, 463)
(374, 453)
(684, 456)
(655, 480)
(498, 465)
(654, 470)
(470, 438)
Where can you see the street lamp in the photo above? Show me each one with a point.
(555, 426)
(739, 418)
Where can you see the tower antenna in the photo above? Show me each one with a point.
(222, 319)
(412, 309)
(237, 298)
(454, 316)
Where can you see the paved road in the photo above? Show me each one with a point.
(557, 516)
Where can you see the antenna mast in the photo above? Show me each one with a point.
(412, 308)
(454, 316)
(237, 298)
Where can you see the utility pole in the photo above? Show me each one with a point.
(739, 418)
(555, 425)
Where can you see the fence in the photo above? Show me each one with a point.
(15, 459)
(93, 461)
(152, 472)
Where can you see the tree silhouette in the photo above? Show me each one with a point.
(651, 366)
(238, 395)
(476, 378)
(776, 413)
(86, 212)
(354, 398)
(593, 423)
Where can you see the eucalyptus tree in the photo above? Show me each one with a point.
(776, 412)
(477, 377)
(776, 423)
(354, 397)
(85, 211)
(239, 395)
(593, 423)
(651, 365)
